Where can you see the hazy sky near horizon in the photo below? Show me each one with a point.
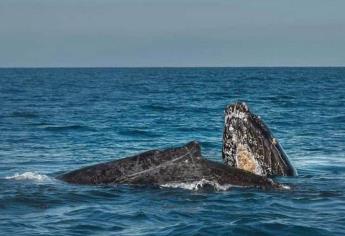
(49, 33)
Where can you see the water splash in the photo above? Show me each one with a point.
(34, 176)
(198, 185)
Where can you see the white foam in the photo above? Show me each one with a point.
(285, 187)
(29, 176)
(197, 185)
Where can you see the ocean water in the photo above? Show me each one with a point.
(55, 120)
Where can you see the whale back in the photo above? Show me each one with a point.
(123, 170)
(181, 165)
(249, 144)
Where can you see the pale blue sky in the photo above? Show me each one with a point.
(43, 33)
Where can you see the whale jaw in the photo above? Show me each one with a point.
(248, 144)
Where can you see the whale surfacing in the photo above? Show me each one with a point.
(248, 144)
(163, 167)
(250, 153)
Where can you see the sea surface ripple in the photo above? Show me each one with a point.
(56, 120)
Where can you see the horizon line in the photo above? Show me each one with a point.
(162, 67)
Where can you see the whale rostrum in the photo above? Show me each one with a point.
(160, 167)
(248, 144)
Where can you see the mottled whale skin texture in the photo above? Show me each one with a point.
(158, 167)
(249, 144)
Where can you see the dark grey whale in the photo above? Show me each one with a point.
(250, 154)
(160, 167)
(249, 144)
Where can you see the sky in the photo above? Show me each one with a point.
(176, 33)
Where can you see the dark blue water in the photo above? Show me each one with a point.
(54, 120)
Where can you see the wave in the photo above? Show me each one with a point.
(198, 185)
(34, 176)
(160, 108)
(138, 132)
(24, 114)
(67, 128)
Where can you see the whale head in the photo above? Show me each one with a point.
(249, 144)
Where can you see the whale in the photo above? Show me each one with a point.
(251, 156)
(249, 144)
(164, 167)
